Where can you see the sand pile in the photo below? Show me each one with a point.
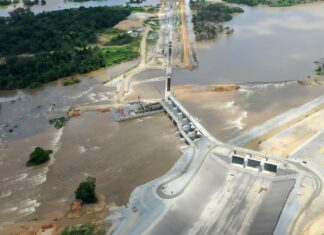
(224, 87)
(135, 20)
(311, 81)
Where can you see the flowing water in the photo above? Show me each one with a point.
(268, 45)
(54, 5)
(227, 114)
(24, 116)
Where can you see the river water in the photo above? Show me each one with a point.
(268, 45)
(53, 5)
(24, 116)
(87, 145)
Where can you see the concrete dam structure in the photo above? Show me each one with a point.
(261, 164)
(214, 188)
(210, 185)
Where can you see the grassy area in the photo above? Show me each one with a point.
(115, 55)
(84, 229)
(138, 9)
(145, 9)
(120, 40)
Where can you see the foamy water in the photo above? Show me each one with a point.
(28, 115)
(18, 199)
(81, 149)
(18, 96)
(5, 194)
(156, 79)
(236, 119)
(80, 94)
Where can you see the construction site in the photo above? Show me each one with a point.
(191, 138)
(256, 183)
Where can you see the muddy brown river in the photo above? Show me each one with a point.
(268, 45)
(87, 145)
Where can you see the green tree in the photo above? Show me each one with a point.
(84, 229)
(38, 156)
(318, 70)
(5, 2)
(87, 191)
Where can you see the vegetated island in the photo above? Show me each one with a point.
(58, 122)
(40, 48)
(208, 17)
(271, 3)
(38, 156)
(86, 191)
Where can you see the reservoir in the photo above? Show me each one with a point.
(268, 45)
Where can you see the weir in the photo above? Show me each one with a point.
(188, 127)
(191, 130)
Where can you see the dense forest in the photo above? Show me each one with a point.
(5, 2)
(25, 32)
(44, 47)
(208, 16)
(21, 72)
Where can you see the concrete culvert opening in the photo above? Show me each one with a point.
(270, 167)
(238, 160)
(253, 163)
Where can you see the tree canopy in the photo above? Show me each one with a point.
(38, 156)
(25, 32)
(51, 45)
(87, 191)
(208, 16)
